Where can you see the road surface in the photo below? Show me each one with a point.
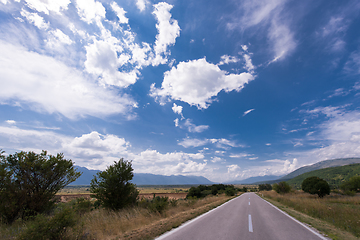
(245, 217)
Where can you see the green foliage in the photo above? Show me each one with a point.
(29, 182)
(281, 187)
(353, 185)
(112, 187)
(230, 191)
(203, 191)
(335, 176)
(316, 185)
(244, 189)
(157, 204)
(265, 187)
(52, 228)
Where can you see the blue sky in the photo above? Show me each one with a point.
(221, 89)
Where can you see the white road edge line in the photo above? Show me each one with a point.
(294, 219)
(249, 203)
(165, 235)
(250, 224)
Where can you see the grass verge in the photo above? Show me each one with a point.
(335, 215)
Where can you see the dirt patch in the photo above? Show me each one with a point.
(69, 197)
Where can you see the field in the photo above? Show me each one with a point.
(338, 211)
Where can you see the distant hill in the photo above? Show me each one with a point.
(320, 165)
(145, 178)
(151, 179)
(333, 175)
(256, 180)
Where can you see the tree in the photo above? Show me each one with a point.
(316, 185)
(352, 185)
(265, 187)
(29, 182)
(112, 187)
(281, 187)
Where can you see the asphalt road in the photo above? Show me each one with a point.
(245, 217)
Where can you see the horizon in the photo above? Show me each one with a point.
(225, 90)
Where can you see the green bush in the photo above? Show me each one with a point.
(265, 187)
(316, 185)
(281, 187)
(353, 185)
(230, 191)
(157, 204)
(50, 228)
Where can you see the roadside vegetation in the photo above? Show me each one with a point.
(338, 210)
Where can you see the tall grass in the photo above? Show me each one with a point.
(338, 210)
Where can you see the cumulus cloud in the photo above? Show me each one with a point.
(120, 12)
(196, 82)
(177, 109)
(90, 11)
(35, 18)
(49, 5)
(226, 59)
(168, 31)
(54, 89)
(141, 4)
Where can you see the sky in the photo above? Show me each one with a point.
(221, 89)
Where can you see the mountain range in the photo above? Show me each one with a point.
(145, 178)
(152, 179)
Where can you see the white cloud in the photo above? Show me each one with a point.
(90, 10)
(248, 111)
(219, 143)
(54, 89)
(11, 122)
(49, 5)
(120, 12)
(57, 39)
(176, 121)
(102, 60)
(193, 128)
(226, 59)
(168, 31)
(193, 142)
(196, 82)
(267, 14)
(177, 109)
(141, 4)
(35, 18)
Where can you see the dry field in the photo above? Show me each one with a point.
(338, 211)
(69, 197)
(140, 223)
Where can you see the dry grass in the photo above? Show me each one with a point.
(140, 223)
(340, 211)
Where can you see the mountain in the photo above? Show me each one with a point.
(152, 179)
(145, 178)
(333, 175)
(321, 165)
(256, 180)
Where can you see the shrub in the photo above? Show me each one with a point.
(230, 191)
(54, 228)
(29, 182)
(265, 187)
(281, 187)
(194, 192)
(316, 185)
(353, 185)
(112, 187)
